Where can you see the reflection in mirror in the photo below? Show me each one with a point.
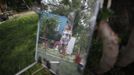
(63, 41)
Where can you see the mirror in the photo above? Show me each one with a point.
(63, 41)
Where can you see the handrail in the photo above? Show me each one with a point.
(25, 69)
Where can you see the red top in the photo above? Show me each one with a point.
(77, 58)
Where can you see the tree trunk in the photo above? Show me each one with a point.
(127, 56)
(3, 5)
(110, 47)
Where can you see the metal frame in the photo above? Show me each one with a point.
(37, 39)
(25, 69)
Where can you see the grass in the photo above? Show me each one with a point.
(17, 43)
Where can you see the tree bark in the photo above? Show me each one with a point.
(3, 6)
(110, 47)
(127, 55)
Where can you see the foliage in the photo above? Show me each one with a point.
(105, 13)
(76, 4)
(65, 2)
(49, 28)
(29, 2)
(68, 7)
(76, 22)
(62, 10)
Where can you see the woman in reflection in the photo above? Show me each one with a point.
(80, 61)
